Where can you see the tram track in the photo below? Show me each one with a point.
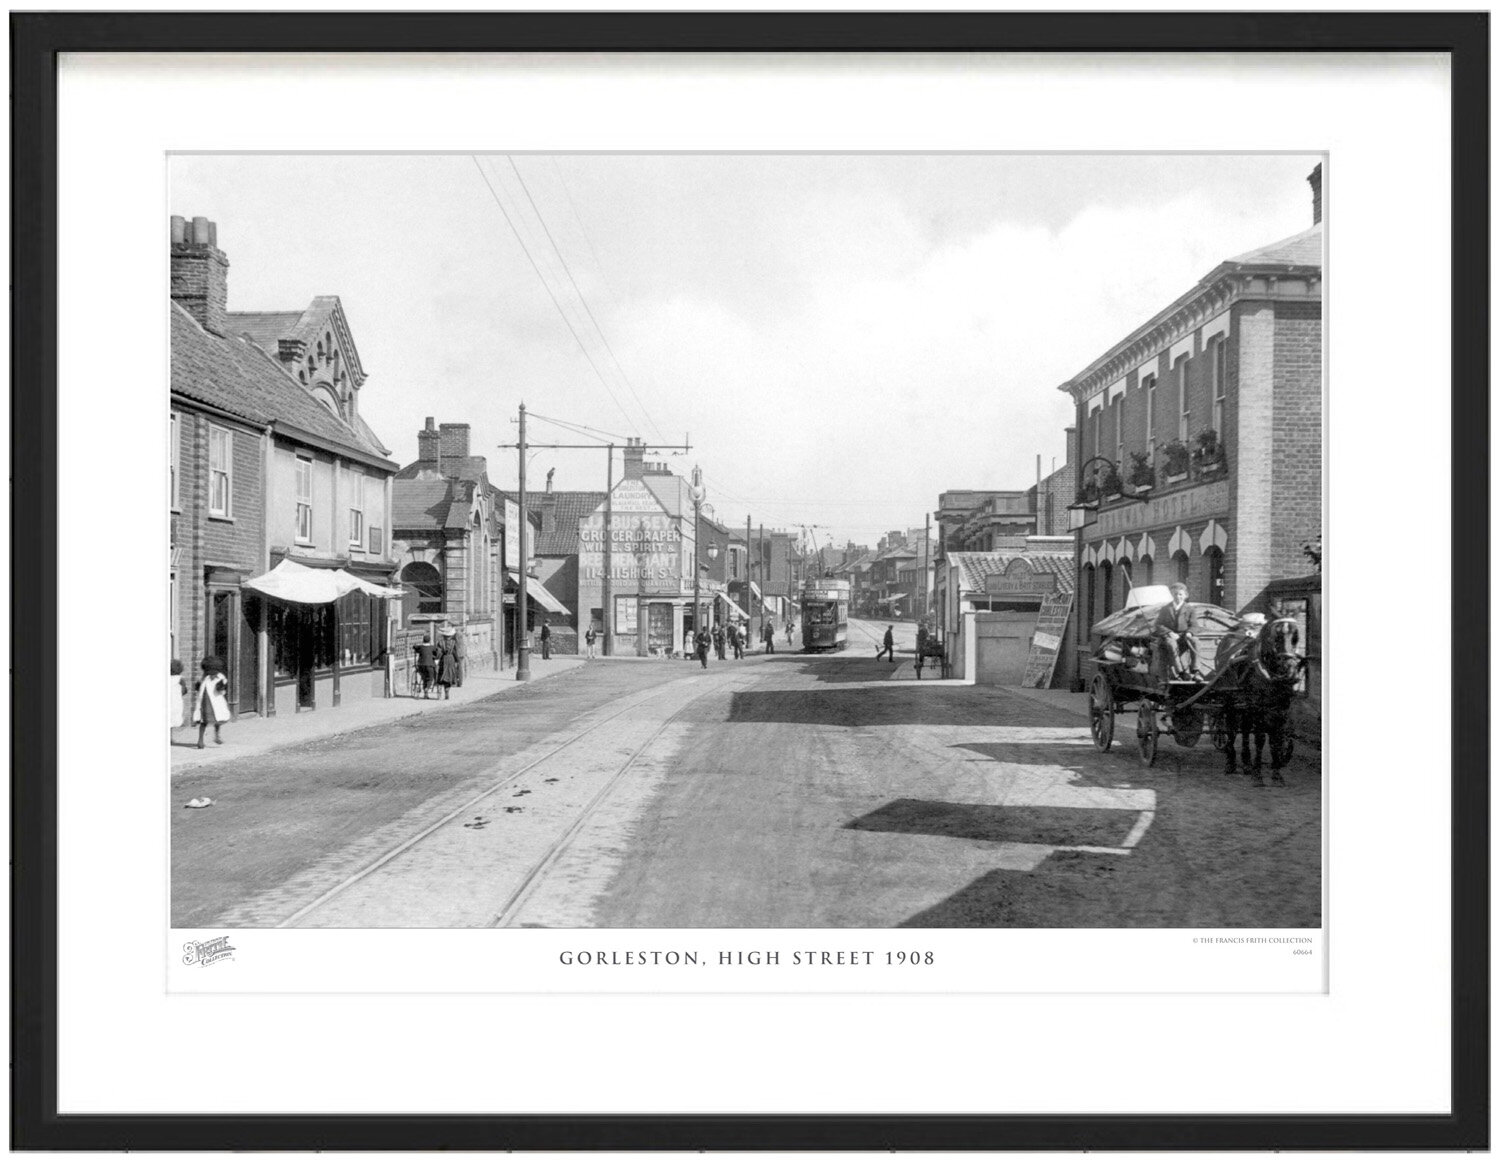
(561, 757)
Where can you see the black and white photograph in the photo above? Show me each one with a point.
(760, 541)
(750, 581)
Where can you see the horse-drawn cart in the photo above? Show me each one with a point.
(930, 652)
(1236, 681)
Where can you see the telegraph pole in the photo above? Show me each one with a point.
(523, 636)
(609, 511)
(926, 564)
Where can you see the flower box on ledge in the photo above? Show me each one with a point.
(1174, 478)
(1212, 468)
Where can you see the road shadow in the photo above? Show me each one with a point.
(1018, 824)
(897, 704)
(1002, 898)
(845, 668)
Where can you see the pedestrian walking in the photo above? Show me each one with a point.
(768, 636)
(176, 691)
(719, 640)
(426, 664)
(447, 661)
(589, 639)
(460, 654)
(889, 644)
(788, 631)
(736, 641)
(702, 641)
(212, 702)
(546, 640)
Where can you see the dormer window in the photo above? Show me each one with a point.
(324, 395)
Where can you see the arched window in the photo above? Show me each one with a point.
(1106, 580)
(1182, 565)
(1215, 557)
(324, 395)
(1127, 579)
(1143, 571)
(1088, 589)
(424, 588)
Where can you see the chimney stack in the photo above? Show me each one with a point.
(635, 459)
(454, 440)
(428, 443)
(1315, 180)
(549, 506)
(200, 273)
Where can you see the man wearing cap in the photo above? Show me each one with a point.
(426, 664)
(1176, 650)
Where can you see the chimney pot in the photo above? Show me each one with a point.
(179, 229)
(200, 273)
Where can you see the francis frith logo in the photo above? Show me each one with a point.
(207, 952)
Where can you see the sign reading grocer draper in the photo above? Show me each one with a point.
(645, 542)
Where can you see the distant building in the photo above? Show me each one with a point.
(449, 528)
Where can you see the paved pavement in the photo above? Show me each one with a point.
(255, 735)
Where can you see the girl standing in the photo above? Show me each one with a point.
(212, 702)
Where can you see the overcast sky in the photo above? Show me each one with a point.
(840, 337)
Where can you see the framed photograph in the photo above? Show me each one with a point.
(751, 581)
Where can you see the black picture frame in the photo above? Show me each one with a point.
(36, 41)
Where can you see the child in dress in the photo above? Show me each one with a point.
(176, 688)
(211, 705)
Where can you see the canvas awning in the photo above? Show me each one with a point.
(540, 594)
(894, 598)
(733, 605)
(291, 582)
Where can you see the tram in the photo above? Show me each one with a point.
(825, 614)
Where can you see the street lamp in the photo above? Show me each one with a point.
(697, 493)
(1083, 503)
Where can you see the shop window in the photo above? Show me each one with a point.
(361, 629)
(220, 472)
(304, 500)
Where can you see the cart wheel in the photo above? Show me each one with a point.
(1187, 727)
(1147, 733)
(1102, 712)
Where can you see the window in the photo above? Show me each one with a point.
(1182, 397)
(361, 629)
(304, 500)
(174, 456)
(1106, 581)
(1143, 571)
(1088, 585)
(1150, 382)
(1098, 418)
(1127, 580)
(220, 471)
(1120, 432)
(356, 510)
(424, 588)
(1217, 365)
(1180, 560)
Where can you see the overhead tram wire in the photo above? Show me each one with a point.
(598, 266)
(527, 251)
(535, 209)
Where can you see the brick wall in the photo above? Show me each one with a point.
(202, 540)
(1297, 437)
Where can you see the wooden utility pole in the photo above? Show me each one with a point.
(926, 564)
(523, 638)
(609, 510)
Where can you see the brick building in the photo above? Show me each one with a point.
(1201, 435)
(271, 462)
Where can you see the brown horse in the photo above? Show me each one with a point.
(1267, 677)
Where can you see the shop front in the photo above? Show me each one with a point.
(326, 631)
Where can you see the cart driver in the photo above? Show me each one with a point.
(1176, 650)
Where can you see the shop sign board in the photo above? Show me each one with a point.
(513, 559)
(1047, 640)
(626, 609)
(1210, 500)
(647, 551)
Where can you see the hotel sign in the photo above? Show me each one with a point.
(1210, 500)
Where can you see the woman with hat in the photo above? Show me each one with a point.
(447, 661)
(212, 702)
